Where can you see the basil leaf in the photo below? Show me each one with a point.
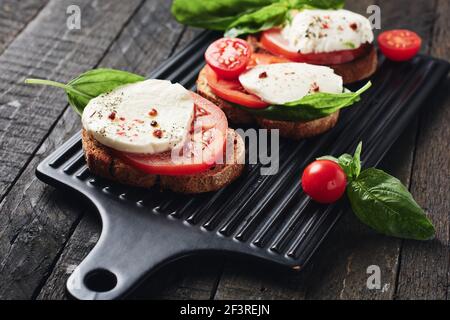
(356, 163)
(90, 85)
(215, 15)
(345, 161)
(310, 107)
(262, 19)
(238, 17)
(385, 204)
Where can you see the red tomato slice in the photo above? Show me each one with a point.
(399, 45)
(262, 58)
(202, 149)
(232, 91)
(273, 41)
(228, 57)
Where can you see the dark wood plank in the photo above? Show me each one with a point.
(36, 221)
(424, 267)
(151, 27)
(46, 48)
(339, 269)
(14, 16)
(361, 247)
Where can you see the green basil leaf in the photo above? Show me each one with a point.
(346, 163)
(356, 164)
(90, 85)
(262, 19)
(385, 204)
(310, 107)
(217, 14)
(239, 17)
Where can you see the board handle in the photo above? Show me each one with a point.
(129, 248)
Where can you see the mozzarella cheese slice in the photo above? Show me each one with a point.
(149, 117)
(313, 31)
(280, 83)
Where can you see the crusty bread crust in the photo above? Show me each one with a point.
(102, 162)
(350, 72)
(288, 129)
(216, 177)
(300, 130)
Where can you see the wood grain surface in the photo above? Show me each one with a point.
(45, 233)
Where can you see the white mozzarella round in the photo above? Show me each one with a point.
(281, 83)
(315, 31)
(128, 118)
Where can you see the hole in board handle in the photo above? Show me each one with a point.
(100, 280)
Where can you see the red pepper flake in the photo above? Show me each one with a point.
(340, 28)
(154, 123)
(354, 26)
(315, 87)
(122, 119)
(263, 75)
(153, 112)
(158, 133)
(112, 116)
(325, 26)
(139, 121)
(121, 133)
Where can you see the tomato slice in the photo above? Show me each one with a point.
(202, 149)
(232, 91)
(262, 58)
(399, 45)
(273, 41)
(228, 57)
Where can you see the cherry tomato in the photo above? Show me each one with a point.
(201, 151)
(228, 57)
(399, 45)
(273, 41)
(324, 181)
(232, 91)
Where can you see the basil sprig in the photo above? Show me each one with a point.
(382, 202)
(90, 84)
(238, 17)
(310, 107)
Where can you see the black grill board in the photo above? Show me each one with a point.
(266, 217)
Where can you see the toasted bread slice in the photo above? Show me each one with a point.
(216, 177)
(233, 114)
(288, 129)
(102, 162)
(350, 72)
(300, 130)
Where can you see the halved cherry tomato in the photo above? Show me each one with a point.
(273, 41)
(232, 91)
(202, 149)
(324, 181)
(399, 45)
(228, 57)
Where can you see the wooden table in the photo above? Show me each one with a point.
(45, 233)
